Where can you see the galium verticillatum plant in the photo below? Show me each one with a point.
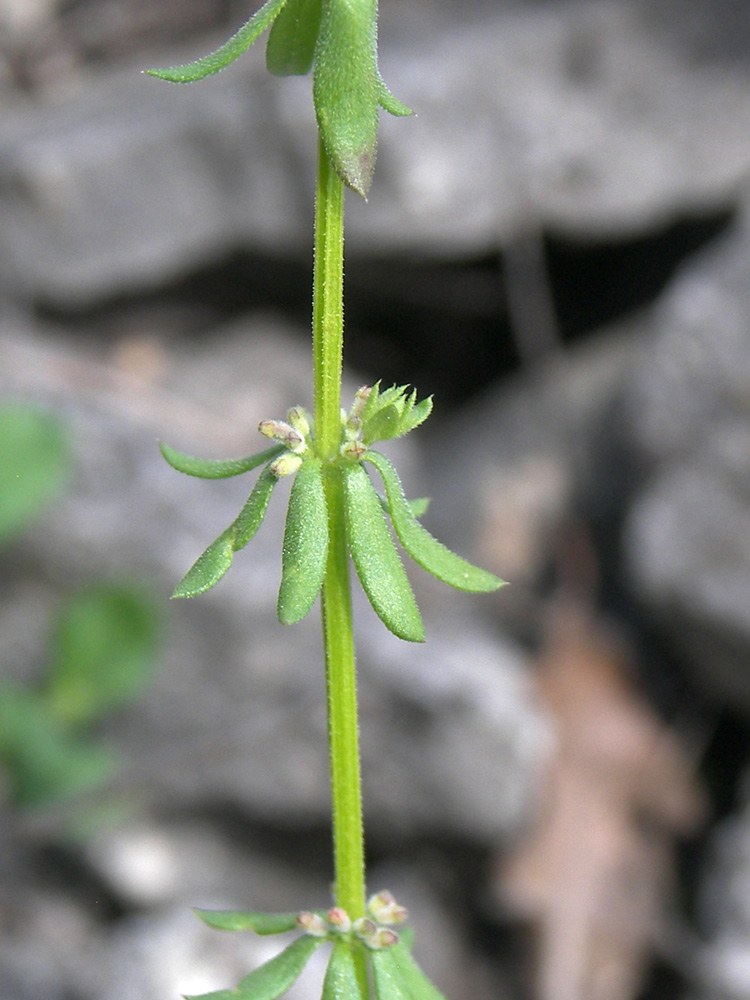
(335, 510)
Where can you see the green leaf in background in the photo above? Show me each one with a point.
(305, 544)
(291, 43)
(225, 54)
(207, 468)
(104, 645)
(377, 562)
(244, 920)
(341, 982)
(398, 977)
(425, 550)
(34, 464)
(45, 763)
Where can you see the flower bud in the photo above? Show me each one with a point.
(364, 928)
(298, 418)
(385, 909)
(339, 920)
(280, 430)
(353, 450)
(285, 464)
(312, 923)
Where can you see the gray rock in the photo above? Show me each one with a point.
(722, 967)
(686, 539)
(576, 116)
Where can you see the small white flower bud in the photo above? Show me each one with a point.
(298, 418)
(285, 464)
(353, 450)
(339, 919)
(312, 923)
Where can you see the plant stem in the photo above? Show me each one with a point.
(343, 733)
(328, 307)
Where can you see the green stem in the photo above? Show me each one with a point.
(343, 731)
(328, 307)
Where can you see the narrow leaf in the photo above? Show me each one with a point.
(346, 88)
(418, 506)
(227, 53)
(206, 468)
(378, 565)
(251, 516)
(390, 103)
(209, 568)
(341, 981)
(396, 966)
(275, 977)
(387, 978)
(216, 995)
(305, 544)
(244, 920)
(291, 43)
(431, 554)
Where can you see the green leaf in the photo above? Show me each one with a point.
(276, 976)
(251, 516)
(392, 413)
(305, 544)
(244, 920)
(341, 981)
(397, 976)
(227, 53)
(291, 43)
(104, 647)
(378, 565)
(418, 506)
(34, 464)
(43, 761)
(206, 468)
(346, 88)
(209, 567)
(425, 550)
(389, 103)
(388, 979)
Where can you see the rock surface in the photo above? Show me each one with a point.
(688, 529)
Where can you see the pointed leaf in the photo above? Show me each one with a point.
(431, 554)
(395, 969)
(208, 568)
(227, 53)
(291, 43)
(251, 516)
(244, 920)
(378, 565)
(383, 425)
(305, 544)
(275, 977)
(390, 103)
(206, 468)
(346, 88)
(341, 981)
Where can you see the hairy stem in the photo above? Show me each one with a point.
(343, 730)
(328, 307)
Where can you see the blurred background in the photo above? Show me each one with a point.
(557, 247)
